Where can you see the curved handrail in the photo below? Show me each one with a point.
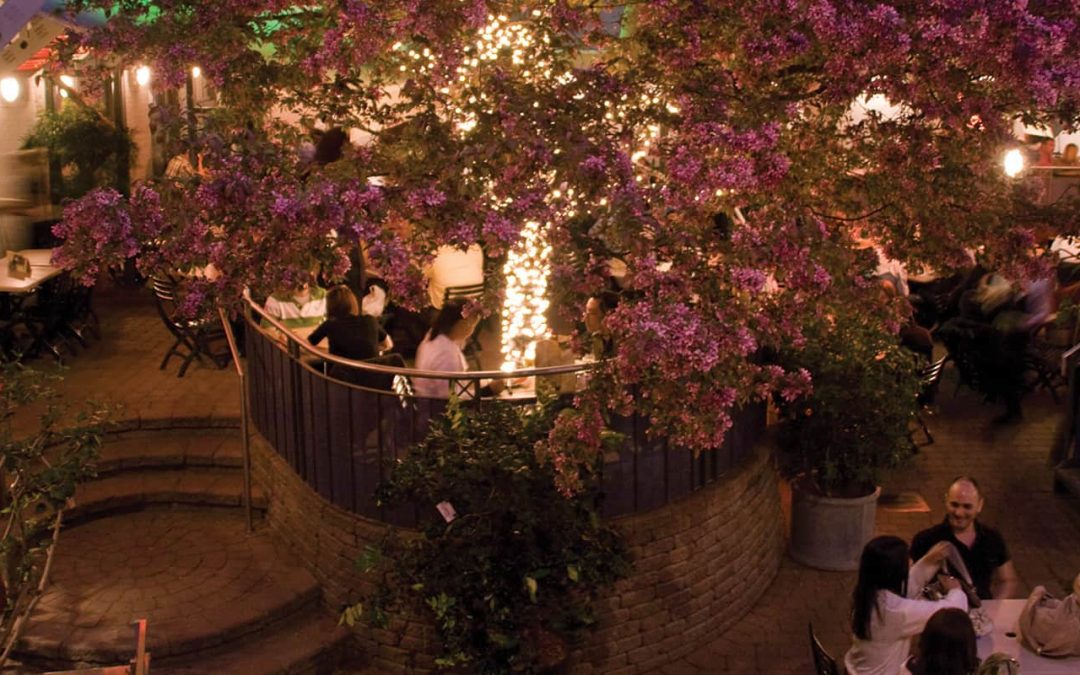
(341, 437)
(410, 372)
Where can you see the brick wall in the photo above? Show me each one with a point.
(699, 564)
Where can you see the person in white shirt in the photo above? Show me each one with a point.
(452, 267)
(886, 612)
(441, 351)
(301, 310)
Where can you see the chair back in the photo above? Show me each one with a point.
(824, 664)
(165, 298)
(929, 379)
(462, 293)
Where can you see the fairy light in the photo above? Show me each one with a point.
(515, 45)
(524, 311)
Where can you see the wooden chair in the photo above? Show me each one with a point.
(195, 338)
(1042, 357)
(824, 664)
(140, 664)
(929, 379)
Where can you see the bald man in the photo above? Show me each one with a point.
(981, 546)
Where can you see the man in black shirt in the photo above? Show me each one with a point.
(981, 546)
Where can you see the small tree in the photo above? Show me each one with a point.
(482, 116)
(38, 475)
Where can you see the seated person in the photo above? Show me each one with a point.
(1070, 156)
(981, 546)
(454, 267)
(946, 646)
(300, 310)
(351, 335)
(374, 301)
(601, 344)
(886, 609)
(441, 350)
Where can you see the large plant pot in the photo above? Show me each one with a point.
(829, 532)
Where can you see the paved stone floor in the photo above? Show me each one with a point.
(1041, 528)
(122, 367)
(193, 574)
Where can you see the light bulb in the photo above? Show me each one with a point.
(9, 89)
(1014, 163)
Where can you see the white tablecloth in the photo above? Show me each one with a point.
(40, 271)
(1005, 638)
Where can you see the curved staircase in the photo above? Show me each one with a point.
(160, 535)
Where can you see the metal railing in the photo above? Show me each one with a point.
(1070, 370)
(341, 438)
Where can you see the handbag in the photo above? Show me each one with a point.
(1050, 626)
(955, 567)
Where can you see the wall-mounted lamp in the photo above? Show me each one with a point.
(142, 75)
(10, 89)
(67, 81)
(196, 72)
(1014, 163)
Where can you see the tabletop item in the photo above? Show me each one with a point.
(981, 620)
(18, 266)
(1005, 637)
(1051, 626)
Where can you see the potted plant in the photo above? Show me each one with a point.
(836, 440)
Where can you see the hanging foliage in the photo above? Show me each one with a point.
(626, 138)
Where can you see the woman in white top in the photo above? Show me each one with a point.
(441, 350)
(885, 612)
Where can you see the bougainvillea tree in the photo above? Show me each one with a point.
(624, 131)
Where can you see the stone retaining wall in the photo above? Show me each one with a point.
(699, 564)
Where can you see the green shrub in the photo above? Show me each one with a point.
(510, 578)
(856, 422)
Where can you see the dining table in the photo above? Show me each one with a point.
(41, 270)
(14, 293)
(1005, 638)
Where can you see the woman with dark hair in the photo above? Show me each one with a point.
(946, 646)
(885, 610)
(442, 350)
(351, 335)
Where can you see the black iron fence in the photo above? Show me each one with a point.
(341, 438)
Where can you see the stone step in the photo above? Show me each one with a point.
(308, 643)
(138, 488)
(170, 449)
(196, 575)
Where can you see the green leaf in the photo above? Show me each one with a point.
(531, 585)
(572, 573)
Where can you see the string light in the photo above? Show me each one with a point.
(524, 311)
(515, 45)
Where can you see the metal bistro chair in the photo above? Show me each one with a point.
(823, 663)
(195, 338)
(463, 294)
(929, 379)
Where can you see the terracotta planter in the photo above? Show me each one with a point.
(829, 532)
